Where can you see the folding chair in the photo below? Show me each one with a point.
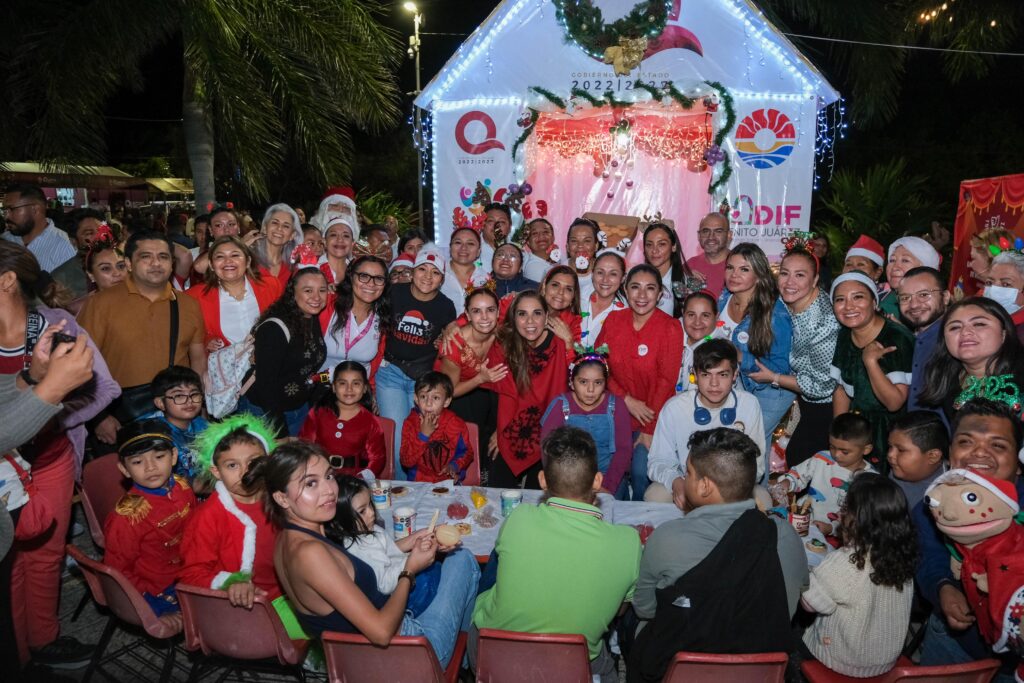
(407, 659)
(510, 656)
(112, 590)
(236, 637)
(981, 671)
(698, 667)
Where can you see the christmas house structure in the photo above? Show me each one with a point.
(627, 107)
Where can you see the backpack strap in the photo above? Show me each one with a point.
(565, 407)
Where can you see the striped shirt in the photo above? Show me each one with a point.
(52, 247)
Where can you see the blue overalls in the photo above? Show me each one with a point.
(600, 426)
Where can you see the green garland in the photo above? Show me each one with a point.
(730, 111)
(724, 96)
(584, 23)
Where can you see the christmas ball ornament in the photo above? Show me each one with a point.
(605, 174)
(610, 194)
(629, 183)
(513, 188)
(618, 175)
(615, 163)
(526, 188)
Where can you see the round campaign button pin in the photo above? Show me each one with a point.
(642, 349)
(742, 337)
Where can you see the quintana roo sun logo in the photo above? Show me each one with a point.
(765, 138)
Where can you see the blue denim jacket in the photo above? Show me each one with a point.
(777, 359)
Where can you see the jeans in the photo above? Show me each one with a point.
(774, 404)
(638, 470)
(451, 610)
(394, 401)
(290, 420)
(942, 647)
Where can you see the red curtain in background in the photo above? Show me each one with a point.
(985, 203)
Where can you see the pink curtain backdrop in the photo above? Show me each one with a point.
(661, 171)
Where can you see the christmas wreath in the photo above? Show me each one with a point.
(584, 24)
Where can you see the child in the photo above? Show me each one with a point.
(435, 441)
(178, 397)
(737, 588)
(867, 256)
(826, 476)
(345, 426)
(700, 318)
(863, 591)
(714, 402)
(229, 544)
(312, 238)
(918, 452)
(144, 532)
(589, 406)
(355, 525)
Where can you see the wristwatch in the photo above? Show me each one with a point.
(409, 575)
(775, 381)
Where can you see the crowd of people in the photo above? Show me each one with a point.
(251, 375)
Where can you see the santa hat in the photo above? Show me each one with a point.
(342, 198)
(868, 248)
(1002, 489)
(333, 218)
(343, 190)
(919, 249)
(431, 256)
(403, 260)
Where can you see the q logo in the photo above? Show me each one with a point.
(490, 130)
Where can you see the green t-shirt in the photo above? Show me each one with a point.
(561, 569)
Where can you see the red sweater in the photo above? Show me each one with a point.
(225, 537)
(267, 291)
(519, 414)
(361, 437)
(144, 534)
(430, 455)
(644, 363)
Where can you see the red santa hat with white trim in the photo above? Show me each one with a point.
(869, 249)
(1000, 488)
(919, 249)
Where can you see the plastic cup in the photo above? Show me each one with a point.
(381, 494)
(510, 500)
(801, 523)
(404, 519)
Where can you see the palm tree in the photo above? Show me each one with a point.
(262, 78)
(874, 75)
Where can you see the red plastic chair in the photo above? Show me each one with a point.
(512, 656)
(224, 632)
(351, 658)
(981, 671)
(112, 590)
(102, 486)
(473, 473)
(698, 667)
(388, 426)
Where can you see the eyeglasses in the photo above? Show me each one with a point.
(507, 257)
(182, 399)
(366, 278)
(401, 275)
(11, 209)
(708, 232)
(924, 296)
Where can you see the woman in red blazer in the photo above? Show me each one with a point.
(234, 294)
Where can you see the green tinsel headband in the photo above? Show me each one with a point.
(206, 442)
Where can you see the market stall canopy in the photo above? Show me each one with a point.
(171, 185)
(46, 175)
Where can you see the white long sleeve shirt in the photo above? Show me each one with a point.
(667, 458)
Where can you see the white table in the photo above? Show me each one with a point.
(480, 541)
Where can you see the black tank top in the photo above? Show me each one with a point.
(365, 580)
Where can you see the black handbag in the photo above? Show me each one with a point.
(136, 401)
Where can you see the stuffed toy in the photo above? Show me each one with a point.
(977, 513)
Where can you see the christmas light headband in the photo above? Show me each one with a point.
(1004, 246)
(209, 439)
(586, 354)
(799, 242)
